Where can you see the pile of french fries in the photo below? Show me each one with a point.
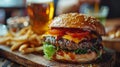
(25, 41)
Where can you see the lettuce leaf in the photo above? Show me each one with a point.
(80, 51)
(48, 50)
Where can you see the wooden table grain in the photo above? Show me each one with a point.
(108, 59)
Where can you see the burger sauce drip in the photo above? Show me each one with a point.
(72, 56)
(60, 53)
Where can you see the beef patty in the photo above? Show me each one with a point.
(70, 45)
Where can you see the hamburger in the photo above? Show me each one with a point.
(73, 37)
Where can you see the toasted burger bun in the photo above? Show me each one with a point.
(76, 58)
(75, 20)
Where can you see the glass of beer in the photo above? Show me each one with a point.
(40, 13)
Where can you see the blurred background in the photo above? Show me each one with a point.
(11, 8)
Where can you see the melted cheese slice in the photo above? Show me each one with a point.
(76, 40)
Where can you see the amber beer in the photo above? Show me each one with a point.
(40, 13)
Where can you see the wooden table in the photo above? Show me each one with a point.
(112, 22)
(112, 43)
(108, 59)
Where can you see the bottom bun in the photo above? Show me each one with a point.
(75, 58)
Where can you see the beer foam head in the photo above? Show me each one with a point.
(39, 1)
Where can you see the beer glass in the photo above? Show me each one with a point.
(40, 13)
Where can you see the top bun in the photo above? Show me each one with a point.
(76, 20)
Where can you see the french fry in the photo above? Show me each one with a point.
(32, 45)
(37, 49)
(22, 47)
(25, 41)
(23, 37)
(33, 39)
(39, 39)
(30, 50)
(33, 36)
(22, 31)
(4, 40)
(16, 44)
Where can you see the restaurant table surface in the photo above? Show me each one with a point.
(113, 57)
(112, 22)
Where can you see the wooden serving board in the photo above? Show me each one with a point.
(33, 60)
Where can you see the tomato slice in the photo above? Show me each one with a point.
(77, 34)
(56, 32)
(72, 32)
